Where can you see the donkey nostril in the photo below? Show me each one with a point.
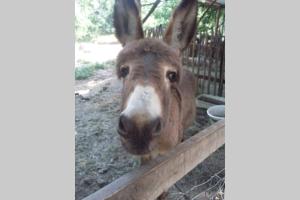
(157, 126)
(122, 122)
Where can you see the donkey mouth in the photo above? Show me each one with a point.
(137, 151)
(135, 147)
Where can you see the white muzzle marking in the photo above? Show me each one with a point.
(143, 101)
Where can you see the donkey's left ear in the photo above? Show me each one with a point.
(127, 21)
(182, 26)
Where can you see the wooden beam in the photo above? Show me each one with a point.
(217, 100)
(149, 181)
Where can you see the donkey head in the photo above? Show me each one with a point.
(150, 70)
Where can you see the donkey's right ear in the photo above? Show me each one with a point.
(127, 21)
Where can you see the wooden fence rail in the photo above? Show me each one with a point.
(149, 181)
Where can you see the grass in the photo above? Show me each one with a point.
(83, 72)
(88, 69)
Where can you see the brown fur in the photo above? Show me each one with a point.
(127, 21)
(183, 25)
(148, 61)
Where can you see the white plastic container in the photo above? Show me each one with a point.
(216, 112)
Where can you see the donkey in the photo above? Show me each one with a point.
(158, 95)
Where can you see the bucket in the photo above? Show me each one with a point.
(216, 112)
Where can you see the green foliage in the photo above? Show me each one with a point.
(88, 69)
(99, 65)
(208, 22)
(162, 13)
(83, 72)
(94, 17)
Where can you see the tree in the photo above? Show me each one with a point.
(154, 6)
(161, 14)
(94, 17)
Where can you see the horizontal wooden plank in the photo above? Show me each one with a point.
(149, 181)
(217, 100)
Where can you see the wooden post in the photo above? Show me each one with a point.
(222, 69)
(216, 48)
(210, 61)
(206, 49)
(149, 181)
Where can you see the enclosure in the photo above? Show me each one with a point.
(100, 158)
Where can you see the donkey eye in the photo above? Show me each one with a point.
(124, 71)
(172, 76)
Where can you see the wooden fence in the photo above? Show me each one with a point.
(149, 181)
(205, 58)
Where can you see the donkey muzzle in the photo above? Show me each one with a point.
(130, 128)
(137, 134)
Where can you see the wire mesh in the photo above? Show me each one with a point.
(211, 189)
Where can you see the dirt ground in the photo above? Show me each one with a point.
(100, 158)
